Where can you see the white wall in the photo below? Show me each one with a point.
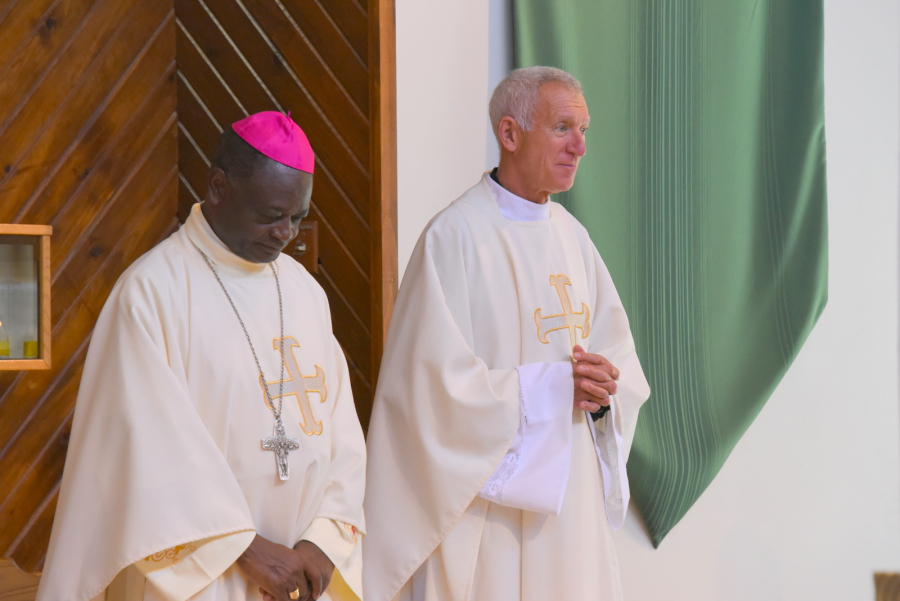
(808, 505)
(450, 56)
(501, 53)
(442, 79)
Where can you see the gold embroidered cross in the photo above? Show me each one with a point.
(303, 386)
(568, 319)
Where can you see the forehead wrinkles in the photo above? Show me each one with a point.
(558, 107)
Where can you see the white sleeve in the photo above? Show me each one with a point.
(182, 571)
(607, 433)
(534, 473)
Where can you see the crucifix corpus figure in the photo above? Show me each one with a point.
(282, 445)
(198, 354)
(509, 380)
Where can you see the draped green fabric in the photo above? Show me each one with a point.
(704, 190)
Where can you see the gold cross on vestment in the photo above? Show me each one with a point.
(568, 319)
(303, 386)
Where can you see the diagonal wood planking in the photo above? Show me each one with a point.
(88, 144)
(310, 57)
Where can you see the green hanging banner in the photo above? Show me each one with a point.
(704, 190)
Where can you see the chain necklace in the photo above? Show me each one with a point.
(279, 443)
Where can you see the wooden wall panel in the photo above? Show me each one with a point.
(331, 65)
(91, 143)
(88, 144)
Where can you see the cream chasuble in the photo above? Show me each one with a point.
(489, 309)
(166, 480)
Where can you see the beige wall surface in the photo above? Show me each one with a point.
(442, 80)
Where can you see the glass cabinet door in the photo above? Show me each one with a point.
(19, 297)
(24, 296)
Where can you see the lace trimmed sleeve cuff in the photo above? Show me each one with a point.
(610, 446)
(534, 473)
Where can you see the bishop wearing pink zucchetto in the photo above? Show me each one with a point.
(215, 451)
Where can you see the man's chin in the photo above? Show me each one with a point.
(565, 184)
(271, 257)
(565, 179)
(263, 254)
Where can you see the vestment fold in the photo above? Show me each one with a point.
(165, 450)
(483, 295)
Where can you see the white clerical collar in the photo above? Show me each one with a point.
(205, 239)
(516, 208)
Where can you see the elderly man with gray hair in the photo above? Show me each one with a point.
(509, 387)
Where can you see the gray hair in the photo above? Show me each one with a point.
(516, 95)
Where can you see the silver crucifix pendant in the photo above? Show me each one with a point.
(281, 445)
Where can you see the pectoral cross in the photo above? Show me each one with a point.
(568, 319)
(281, 445)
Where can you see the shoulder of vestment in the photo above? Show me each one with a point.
(161, 272)
(463, 220)
(449, 230)
(587, 246)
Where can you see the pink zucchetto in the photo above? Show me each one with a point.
(275, 135)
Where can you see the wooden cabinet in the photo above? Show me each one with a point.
(25, 296)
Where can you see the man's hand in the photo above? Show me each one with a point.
(319, 568)
(595, 380)
(279, 570)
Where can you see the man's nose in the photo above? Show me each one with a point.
(577, 145)
(283, 230)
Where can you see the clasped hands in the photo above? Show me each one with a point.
(595, 380)
(279, 571)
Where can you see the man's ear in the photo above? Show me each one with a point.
(217, 185)
(509, 133)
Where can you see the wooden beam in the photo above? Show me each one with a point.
(21, 229)
(887, 587)
(45, 323)
(383, 140)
